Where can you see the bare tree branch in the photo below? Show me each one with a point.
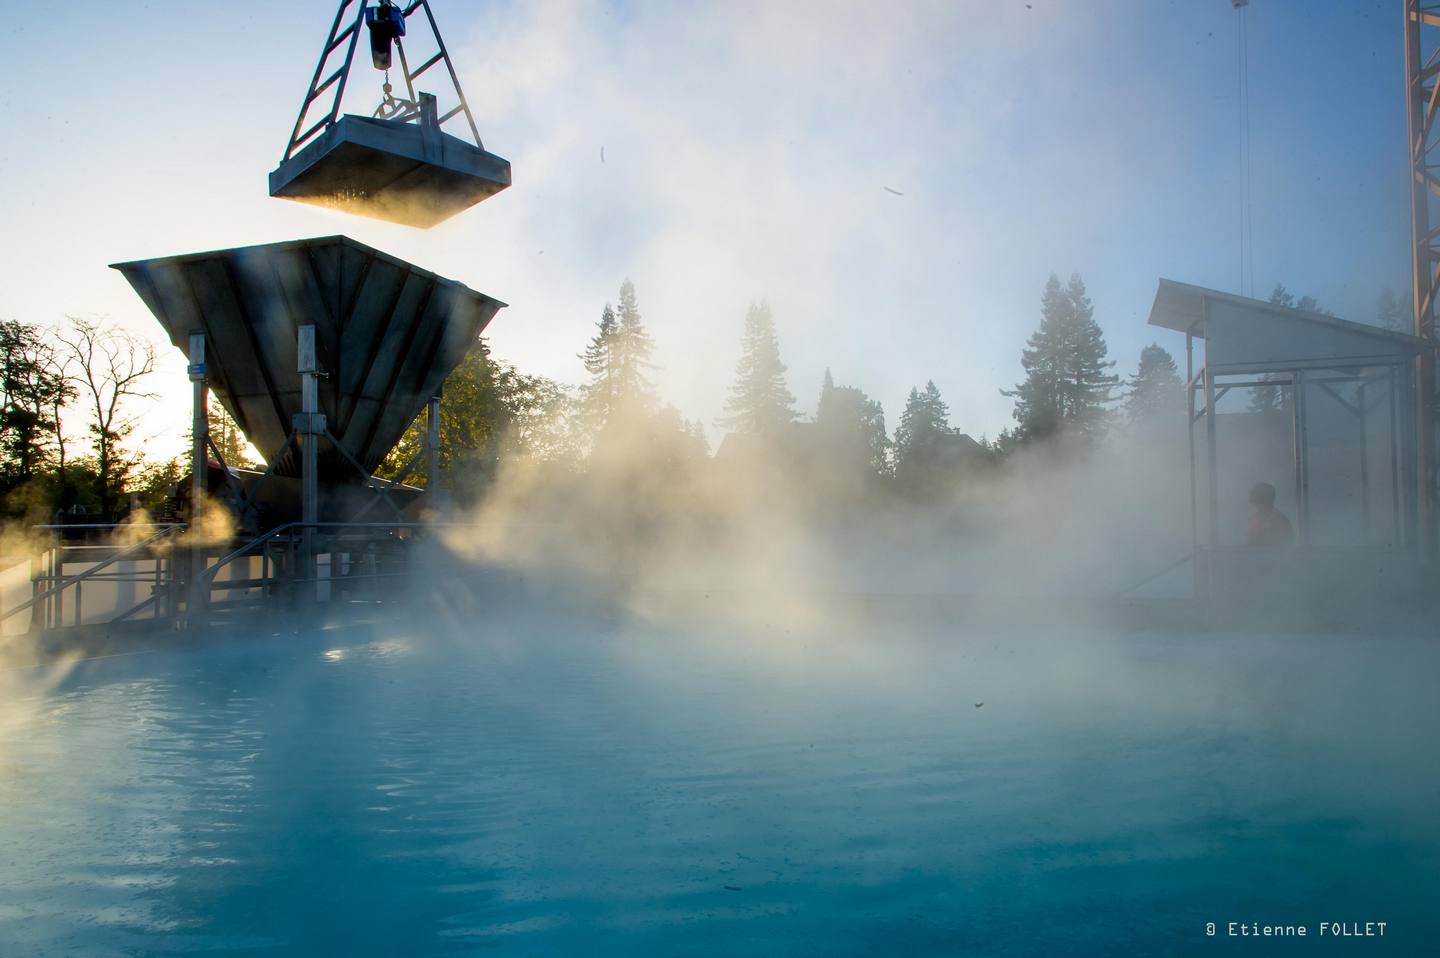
(109, 367)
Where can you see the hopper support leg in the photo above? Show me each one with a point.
(310, 431)
(199, 594)
(438, 496)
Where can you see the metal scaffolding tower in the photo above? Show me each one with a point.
(1422, 91)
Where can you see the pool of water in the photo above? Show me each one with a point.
(561, 787)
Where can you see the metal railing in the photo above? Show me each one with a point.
(351, 560)
(356, 558)
(49, 587)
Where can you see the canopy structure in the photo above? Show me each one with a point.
(1319, 408)
(1252, 336)
(387, 334)
(399, 163)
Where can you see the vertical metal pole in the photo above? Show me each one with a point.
(1190, 437)
(1425, 281)
(454, 79)
(439, 496)
(57, 569)
(1395, 495)
(1297, 455)
(1302, 458)
(35, 587)
(1190, 445)
(1212, 466)
(1364, 469)
(310, 430)
(199, 595)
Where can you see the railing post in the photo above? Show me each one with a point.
(155, 586)
(37, 616)
(49, 603)
(310, 425)
(199, 595)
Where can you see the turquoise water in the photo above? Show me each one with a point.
(574, 789)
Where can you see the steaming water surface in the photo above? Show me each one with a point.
(626, 790)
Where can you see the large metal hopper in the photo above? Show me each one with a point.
(386, 335)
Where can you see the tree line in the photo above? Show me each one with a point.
(71, 401)
(72, 397)
(491, 411)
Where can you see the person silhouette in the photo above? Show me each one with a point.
(1268, 526)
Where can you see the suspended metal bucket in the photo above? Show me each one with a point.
(399, 163)
(403, 172)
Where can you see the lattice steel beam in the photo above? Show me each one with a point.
(337, 59)
(1422, 93)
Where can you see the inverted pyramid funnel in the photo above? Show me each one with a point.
(387, 334)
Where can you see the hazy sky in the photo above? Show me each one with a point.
(747, 151)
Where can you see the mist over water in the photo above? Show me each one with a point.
(770, 700)
(1051, 522)
(530, 781)
(761, 702)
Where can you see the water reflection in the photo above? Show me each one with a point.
(631, 791)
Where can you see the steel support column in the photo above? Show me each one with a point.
(1422, 34)
(1301, 430)
(309, 427)
(1213, 478)
(1364, 467)
(1199, 571)
(198, 596)
(435, 492)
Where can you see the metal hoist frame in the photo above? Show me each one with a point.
(345, 32)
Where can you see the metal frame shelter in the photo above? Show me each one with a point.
(1363, 375)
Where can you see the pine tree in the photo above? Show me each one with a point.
(1067, 388)
(851, 426)
(1268, 399)
(1156, 390)
(618, 361)
(1004, 444)
(1280, 296)
(1393, 313)
(633, 349)
(759, 401)
(599, 394)
(489, 411)
(33, 387)
(226, 435)
(694, 431)
(920, 437)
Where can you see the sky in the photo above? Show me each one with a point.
(896, 180)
